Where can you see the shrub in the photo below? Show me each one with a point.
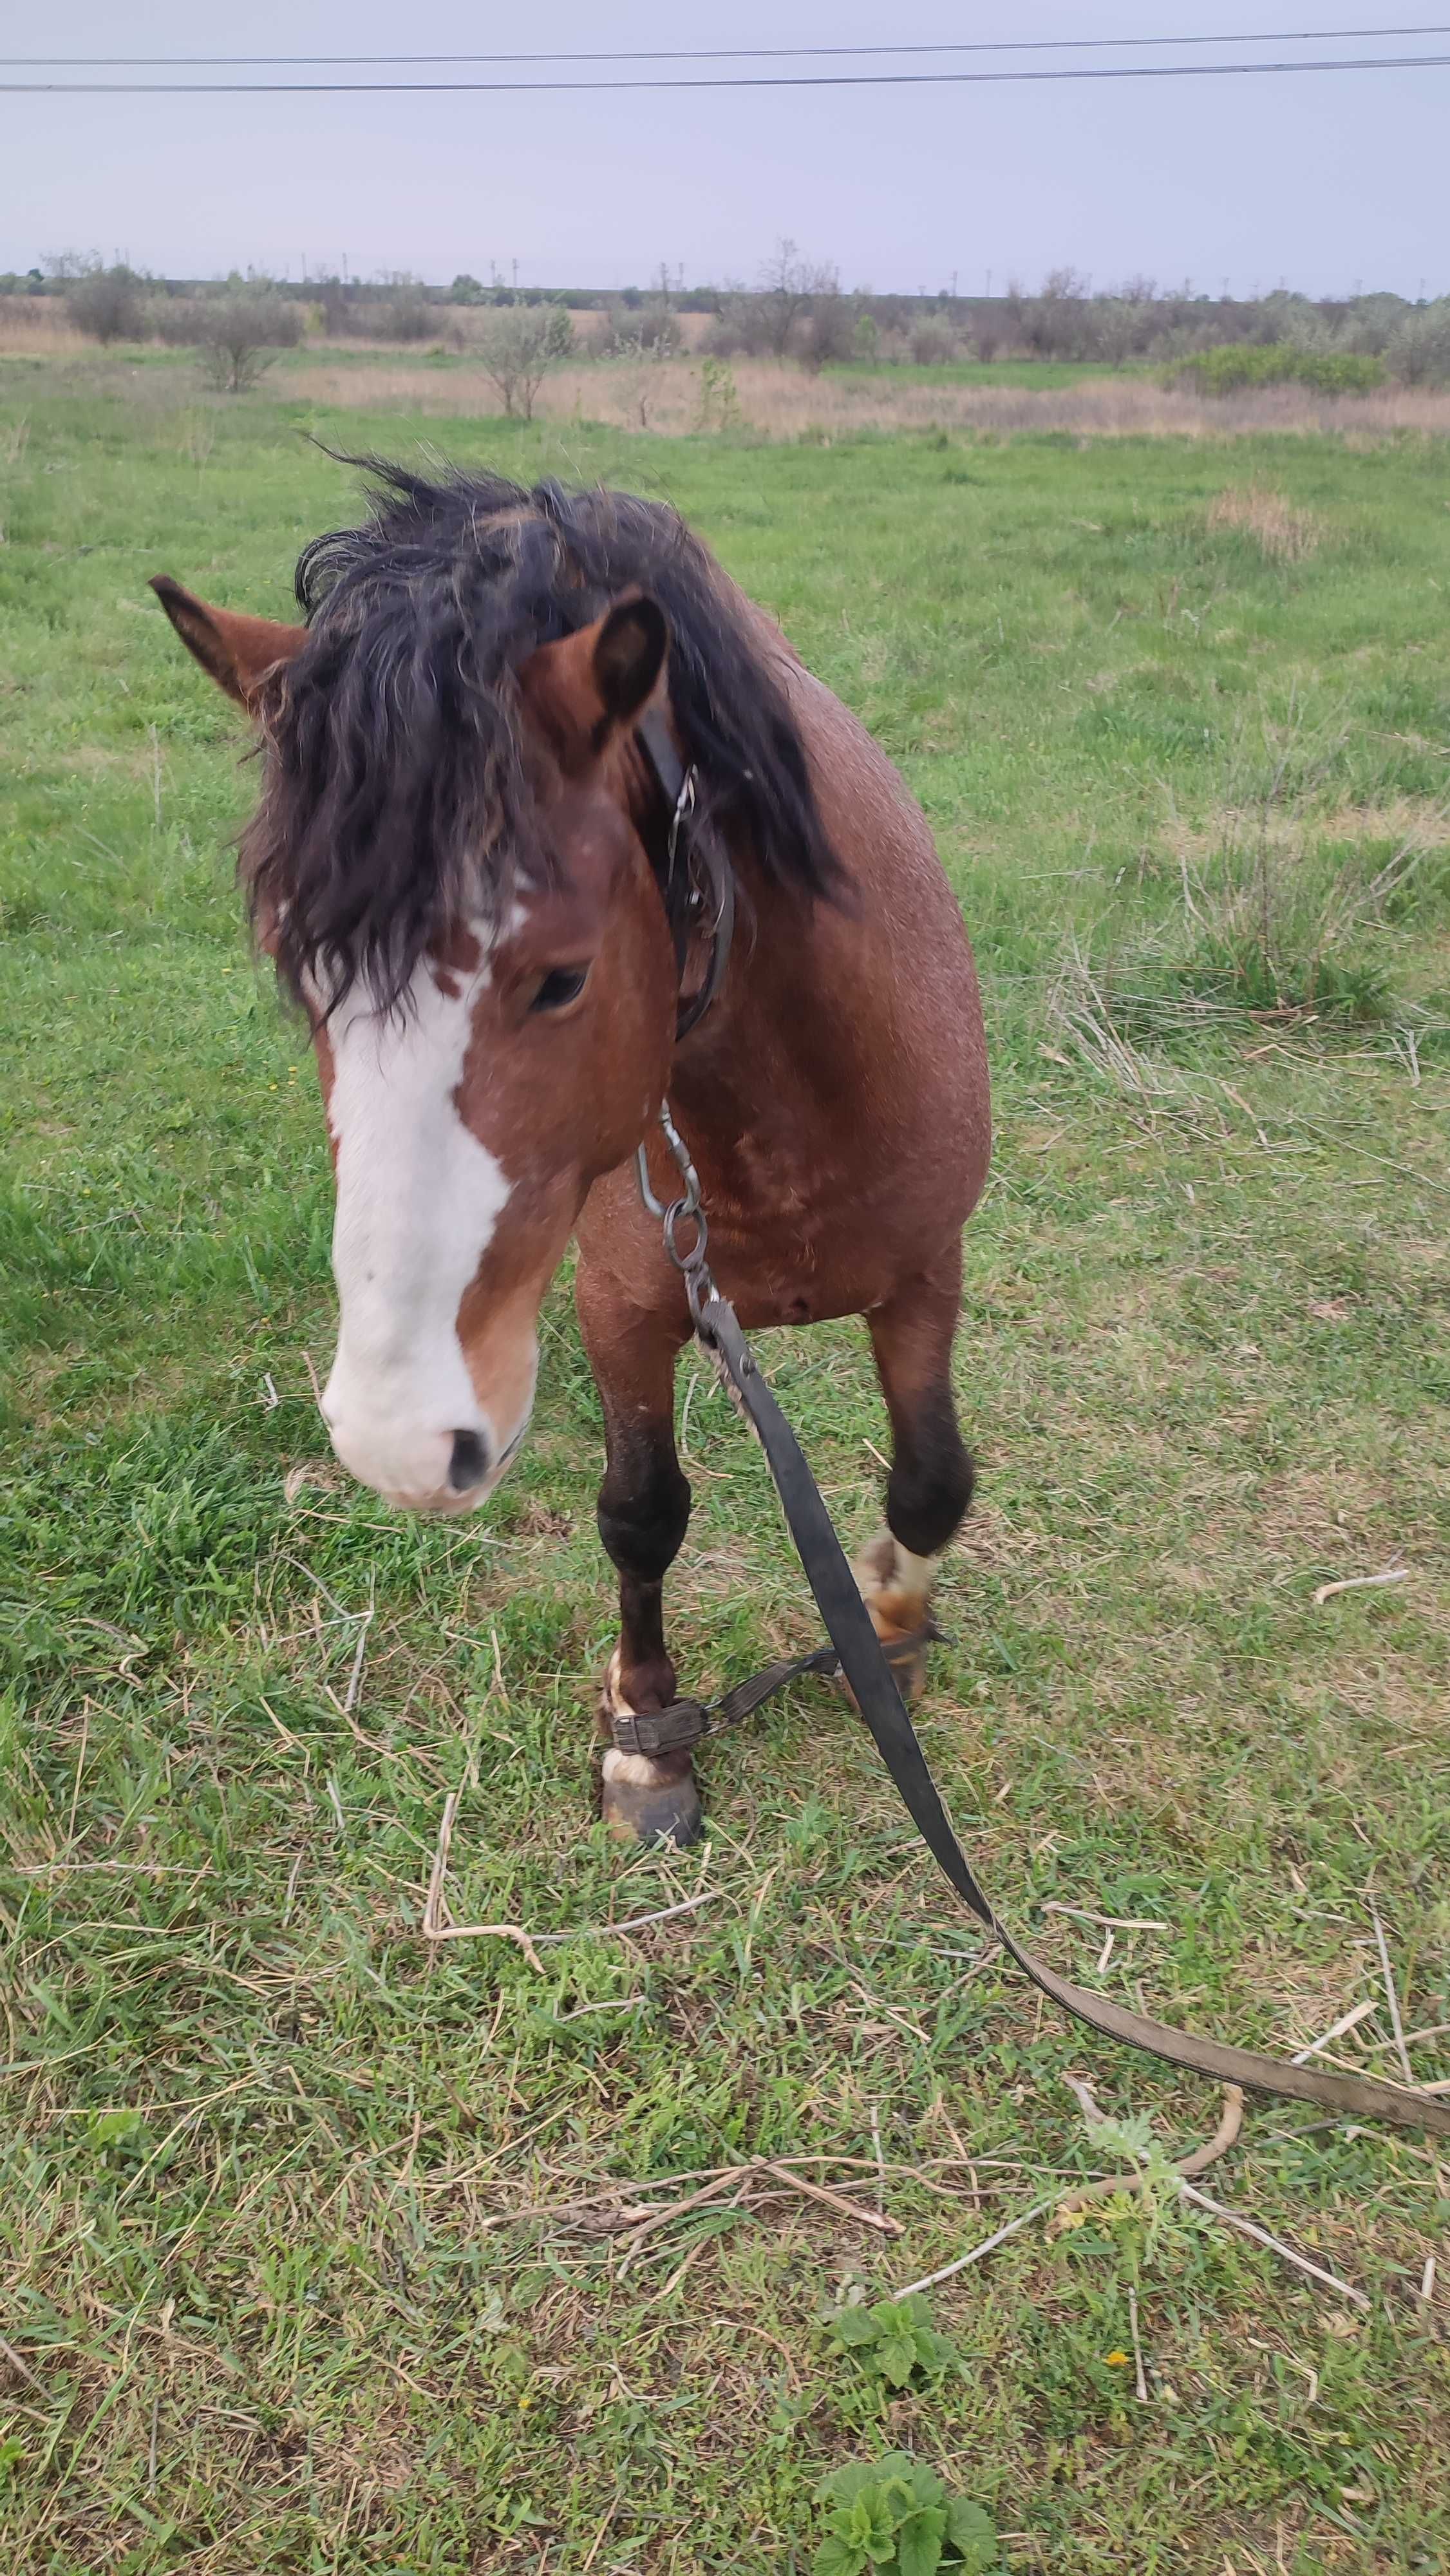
(719, 396)
(108, 304)
(828, 337)
(404, 311)
(517, 345)
(172, 319)
(647, 326)
(932, 344)
(1237, 363)
(336, 302)
(240, 331)
(1418, 351)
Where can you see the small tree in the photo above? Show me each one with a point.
(465, 289)
(107, 304)
(240, 331)
(789, 283)
(517, 345)
(830, 329)
(1118, 328)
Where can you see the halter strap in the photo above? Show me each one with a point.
(696, 882)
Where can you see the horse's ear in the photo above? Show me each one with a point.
(240, 653)
(629, 654)
(589, 685)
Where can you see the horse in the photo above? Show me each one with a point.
(463, 864)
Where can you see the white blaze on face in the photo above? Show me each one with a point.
(418, 1198)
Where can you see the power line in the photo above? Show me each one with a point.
(692, 81)
(720, 53)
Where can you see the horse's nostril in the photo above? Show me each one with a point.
(469, 1463)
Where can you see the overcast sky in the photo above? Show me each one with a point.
(1324, 180)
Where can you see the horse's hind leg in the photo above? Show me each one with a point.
(644, 1510)
(930, 1484)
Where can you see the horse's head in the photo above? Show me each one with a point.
(465, 904)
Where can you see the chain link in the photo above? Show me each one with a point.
(691, 1264)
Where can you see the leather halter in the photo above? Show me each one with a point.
(696, 882)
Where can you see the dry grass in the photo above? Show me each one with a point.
(38, 326)
(784, 402)
(1281, 533)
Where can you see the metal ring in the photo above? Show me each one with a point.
(694, 1259)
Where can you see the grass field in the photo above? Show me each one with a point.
(295, 2275)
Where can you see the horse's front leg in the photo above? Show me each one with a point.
(644, 1510)
(930, 1484)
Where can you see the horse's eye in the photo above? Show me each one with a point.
(562, 984)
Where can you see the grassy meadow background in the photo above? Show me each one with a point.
(272, 2297)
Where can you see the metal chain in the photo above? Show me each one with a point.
(691, 1263)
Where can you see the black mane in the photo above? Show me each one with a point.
(395, 799)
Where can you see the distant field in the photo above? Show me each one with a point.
(745, 398)
(1180, 713)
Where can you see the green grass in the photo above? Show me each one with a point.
(262, 2152)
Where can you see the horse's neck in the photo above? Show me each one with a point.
(775, 1074)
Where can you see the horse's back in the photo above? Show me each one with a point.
(897, 944)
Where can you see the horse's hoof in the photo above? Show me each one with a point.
(651, 1802)
(907, 1657)
(896, 1589)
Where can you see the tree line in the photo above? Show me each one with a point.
(795, 309)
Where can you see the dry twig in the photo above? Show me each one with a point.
(1347, 2021)
(1141, 2384)
(436, 1927)
(1361, 1583)
(21, 2366)
(1225, 2136)
(1276, 2244)
(1109, 1922)
(837, 2200)
(1110, 2184)
(1396, 2025)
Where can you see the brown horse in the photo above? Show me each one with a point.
(460, 862)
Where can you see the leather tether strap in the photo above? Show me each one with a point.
(696, 880)
(880, 1703)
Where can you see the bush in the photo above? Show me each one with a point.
(1419, 348)
(517, 345)
(1229, 368)
(829, 337)
(172, 319)
(337, 305)
(239, 333)
(108, 304)
(403, 311)
(646, 326)
(933, 344)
